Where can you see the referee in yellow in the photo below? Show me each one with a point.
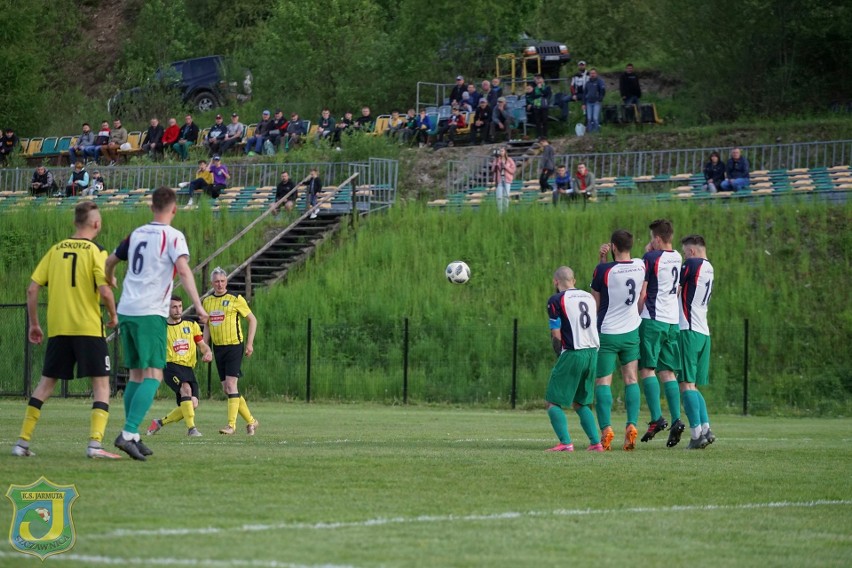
(224, 333)
(73, 272)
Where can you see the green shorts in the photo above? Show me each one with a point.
(658, 346)
(573, 378)
(143, 341)
(623, 347)
(695, 358)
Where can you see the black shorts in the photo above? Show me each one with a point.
(90, 354)
(175, 375)
(229, 360)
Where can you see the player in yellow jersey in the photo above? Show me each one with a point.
(73, 271)
(182, 337)
(225, 335)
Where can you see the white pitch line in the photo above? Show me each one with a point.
(508, 515)
(91, 560)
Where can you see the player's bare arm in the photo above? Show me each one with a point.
(603, 251)
(109, 269)
(35, 334)
(597, 296)
(643, 295)
(206, 352)
(556, 341)
(252, 329)
(188, 281)
(109, 301)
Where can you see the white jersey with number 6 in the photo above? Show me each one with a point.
(151, 252)
(619, 285)
(573, 312)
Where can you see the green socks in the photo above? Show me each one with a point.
(703, 410)
(603, 405)
(129, 392)
(587, 421)
(673, 398)
(651, 387)
(560, 423)
(141, 402)
(692, 405)
(631, 401)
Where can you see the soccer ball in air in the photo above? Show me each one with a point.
(458, 272)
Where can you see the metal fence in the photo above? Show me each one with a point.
(758, 368)
(472, 172)
(373, 172)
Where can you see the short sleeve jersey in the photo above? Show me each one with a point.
(224, 321)
(662, 273)
(619, 284)
(696, 287)
(573, 313)
(151, 252)
(72, 270)
(181, 338)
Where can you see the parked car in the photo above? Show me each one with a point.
(552, 55)
(203, 83)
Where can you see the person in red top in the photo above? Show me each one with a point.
(584, 182)
(171, 134)
(455, 122)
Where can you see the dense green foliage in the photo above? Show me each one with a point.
(359, 485)
(730, 59)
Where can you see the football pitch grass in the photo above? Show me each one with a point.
(368, 485)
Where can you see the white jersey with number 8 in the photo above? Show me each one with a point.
(573, 312)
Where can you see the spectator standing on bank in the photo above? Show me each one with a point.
(548, 165)
(8, 144)
(629, 86)
(593, 96)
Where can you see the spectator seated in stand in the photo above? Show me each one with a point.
(203, 181)
(481, 124)
(284, 188)
(96, 184)
(465, 104)
(562, 191)
(410, 129)
(152, 141)
(295, 132)
(472, 96)
(117, 140)
(736, 172)
(396, 124)
(455, 122)
(171, 133)
(187, 136)
(77, 182)
(43, 182)
(235, 132)
(714, 173)
(276, 130)
(365, 122)
(584, 182)
(458, 89)
(501, 120)
(254, 145)
(8, 144)
(101, 140)
(221, 175)
(424, 125)
(84, 140)
(325, 126)
(345, 125)
(215, 136)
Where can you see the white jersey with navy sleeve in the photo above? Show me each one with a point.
(696, 287)
(619, 285)
(151, 252)
(573, 312)
(662, 273)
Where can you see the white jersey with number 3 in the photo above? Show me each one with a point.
(151, 252)
(619, 285)
(573, 313)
